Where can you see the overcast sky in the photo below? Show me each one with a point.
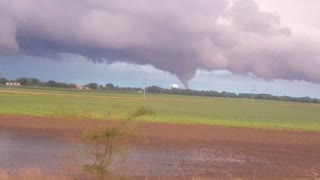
(270, 46)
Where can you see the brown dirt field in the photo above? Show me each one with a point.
(272, 154)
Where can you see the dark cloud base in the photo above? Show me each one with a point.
(172, 36)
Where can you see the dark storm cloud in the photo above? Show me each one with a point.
(175, 36)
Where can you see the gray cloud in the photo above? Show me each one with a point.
(8, 42)
(248, 17)
(178, 37)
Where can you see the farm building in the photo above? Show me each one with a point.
(79, 86)
(13, 84)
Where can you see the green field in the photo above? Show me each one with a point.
(49, 102)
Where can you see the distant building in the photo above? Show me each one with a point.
(79, 86)
(13, 84)
(174, 86)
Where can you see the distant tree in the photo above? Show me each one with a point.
(51, 83)
(92, 85)
(3, 81)
(154, 89)
(72, 85)
(58, 84)
(34, 81)
(109, 86)
(23, 81)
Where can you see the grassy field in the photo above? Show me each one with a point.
(50, 102)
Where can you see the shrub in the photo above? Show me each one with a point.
(141, 111)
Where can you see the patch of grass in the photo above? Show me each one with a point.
(140, 112)
(168, 108)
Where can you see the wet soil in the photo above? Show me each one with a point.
(168, 151)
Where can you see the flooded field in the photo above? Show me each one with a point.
(21, 150)
(196, 162)
(166, 151)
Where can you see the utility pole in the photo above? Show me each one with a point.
(253, 92)
(144, 89)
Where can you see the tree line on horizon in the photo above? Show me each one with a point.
(160, 90)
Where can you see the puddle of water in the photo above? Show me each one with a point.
(177, 162)
(20, 151)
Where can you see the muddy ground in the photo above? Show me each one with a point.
(173, 151)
